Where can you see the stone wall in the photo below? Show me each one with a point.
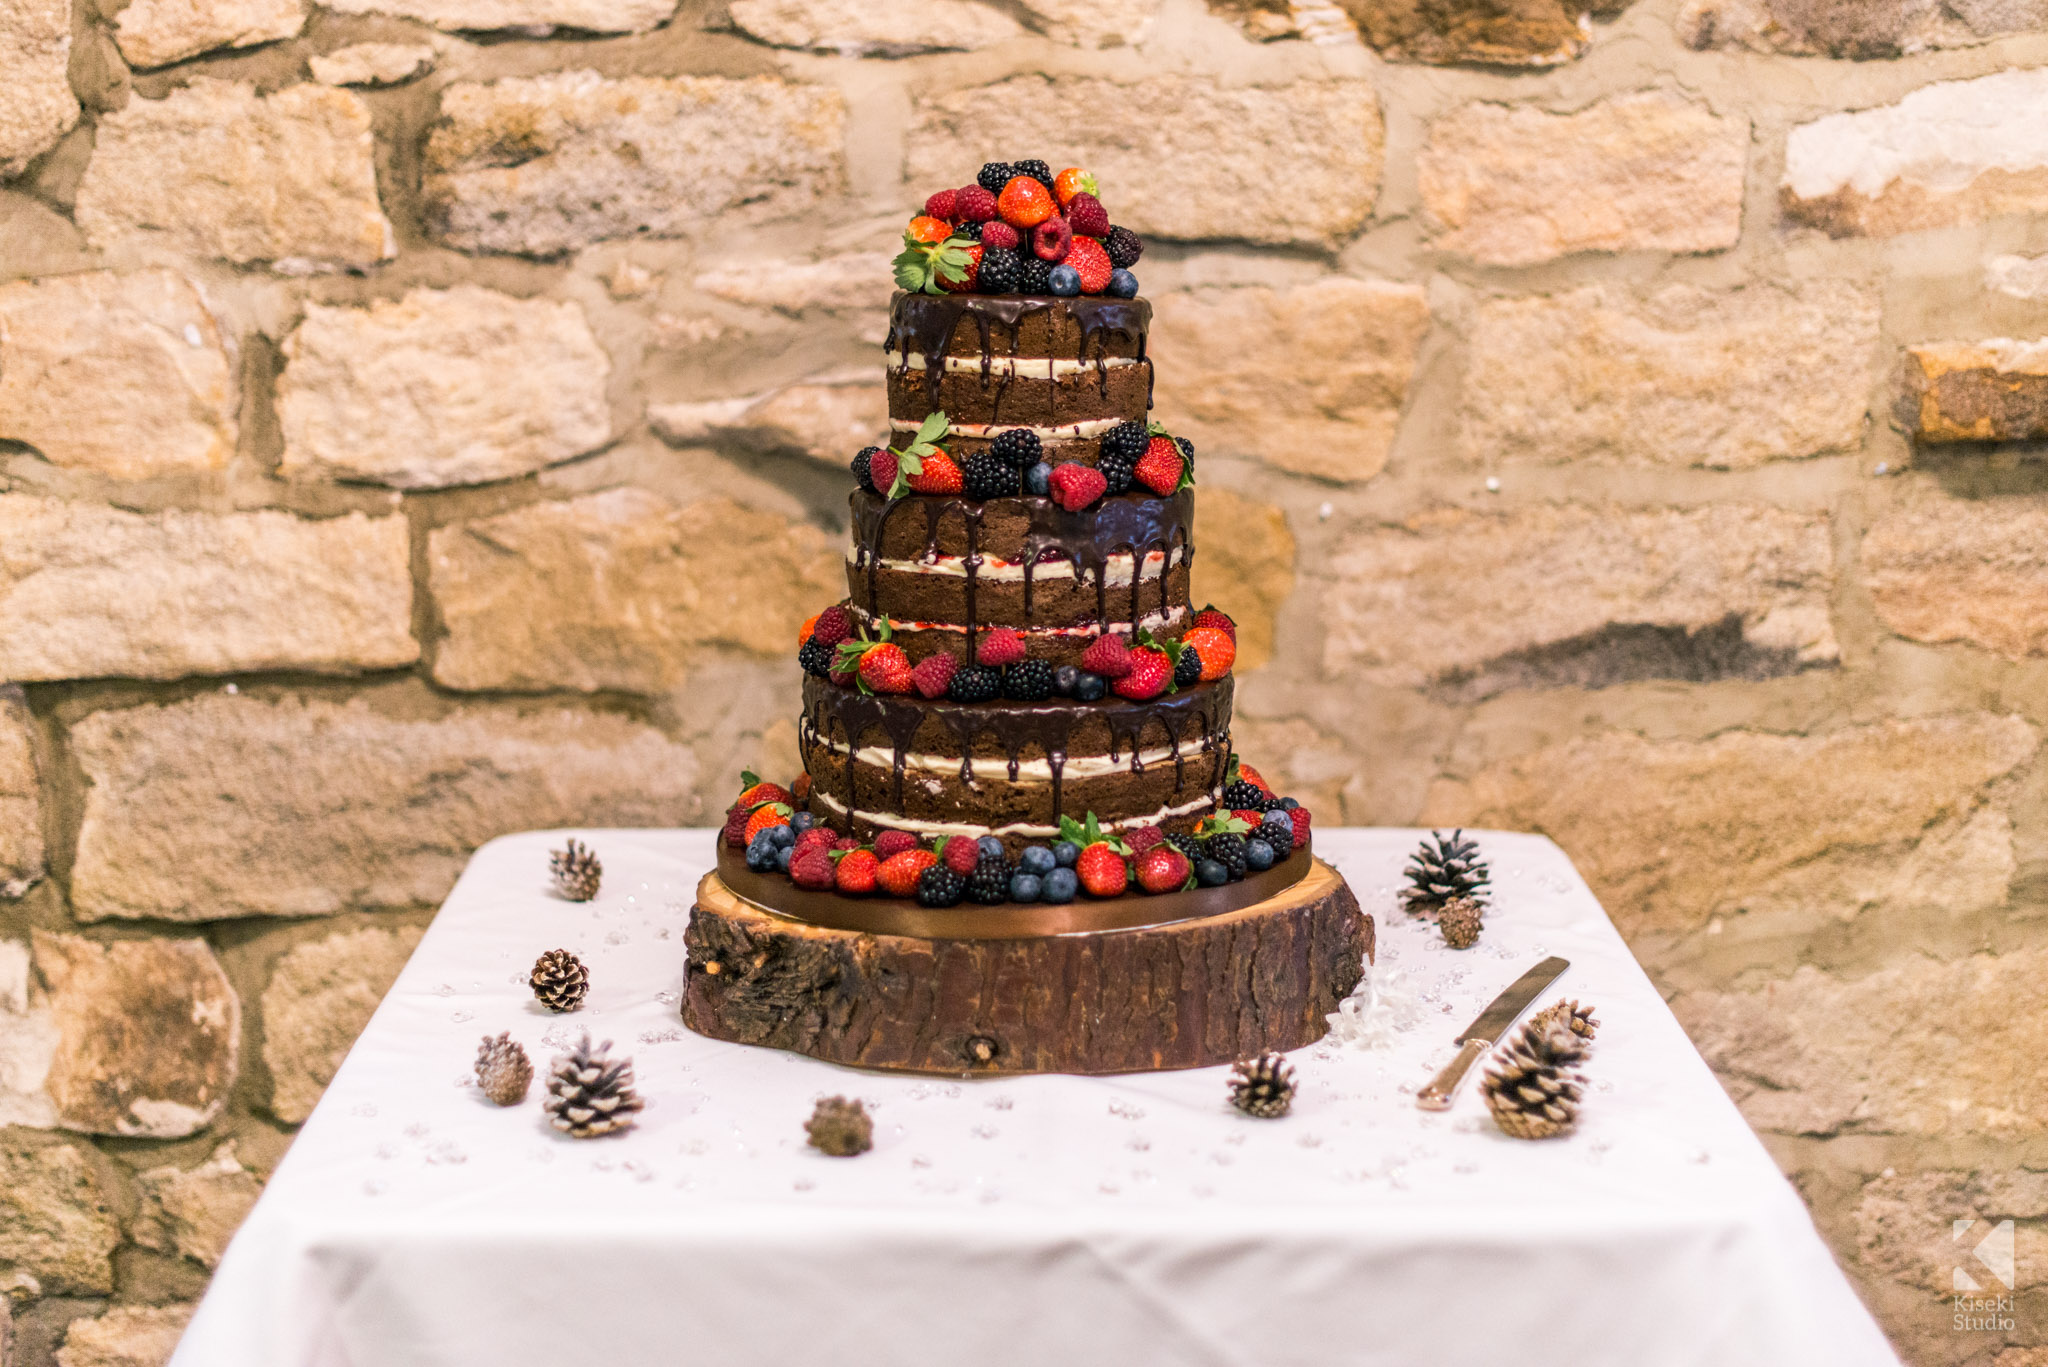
(421, 419)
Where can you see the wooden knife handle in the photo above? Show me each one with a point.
(1437, 1095)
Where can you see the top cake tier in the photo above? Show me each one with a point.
(1068, 369)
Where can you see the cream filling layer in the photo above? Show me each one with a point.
(1031, 367)
(1034, 770)
(1116, 569)
(904, 823)
(1148, 621)
(1093, 427)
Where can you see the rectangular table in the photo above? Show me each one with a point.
(1132, 1221)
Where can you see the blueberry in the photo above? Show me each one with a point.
(1038, 480)
(1090, 687)
(1063, 680)
(988, 845)
(1278, 817)
(1064, 280)
(1025, 887)
(782, 854)
(1061, 885)
(1258, 855)
(1065, 853)
(1037, 860)
(802, 822)
(1123, 284)
(1288, 804)
(1211, 874)
(783, 836)
(761, 854)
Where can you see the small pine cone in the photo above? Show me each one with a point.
(1569, 1013)
(560, 980)
(1532, 1087)
(1443, 870)
(1460, 922)
(503, 1071)
(1263, 1086)
(840, 1127)
(577, 871)
(589, 1094)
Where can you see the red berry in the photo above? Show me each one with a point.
(942, 205)
(1071, 182)
(812, 868)
(933, 673)
(766, 815)
(1075, 486)
(760, 793)
(735, 832)
(1299, 815)
(1092, 263)
(889, 844)
(1248, 816)
(965, 284)
(1245, 771)
(1215, 650)
(882, 471)
(1051, 240)
(999, 235)
(973, 204)
(999, 648)
(1109, 656)
(835, 624)
(1213, 616)
(1102, 871)
(1085, 212)
(961, 855)
(1162, 869)
(1159, 469)
(939, 475)
(855, 873)
(1150, 673)
(846, 842)
(1143, 838)
(1025, 203)
(899, 872)
(886, 669)
(821, 836)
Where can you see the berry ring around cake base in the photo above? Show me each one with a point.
(1192, 992)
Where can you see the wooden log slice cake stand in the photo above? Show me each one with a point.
(1133, 984)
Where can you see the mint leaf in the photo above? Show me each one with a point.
(748, 778)
(1073, 831)
(934, 426)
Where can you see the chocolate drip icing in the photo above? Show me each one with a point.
(924, 324)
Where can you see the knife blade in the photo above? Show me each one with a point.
(1487, 1028)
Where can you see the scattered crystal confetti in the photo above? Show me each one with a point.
(617, 937)
(445, 990)
(463, 1017)
(1139, 1142)
(666, 1036)
(373, 1187)
(984, 1132)
(363, 1109)
(1385, 1004)
(918, 1160)
(1000, 1103)
(1310, 1141)
(804, 1184)
(1126, 1110)
(667, 998)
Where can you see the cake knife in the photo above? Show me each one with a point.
(1476, 1038)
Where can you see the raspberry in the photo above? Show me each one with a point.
(1028, 680)
(933, 673)
(1213, 616)
(995, 175)
(834, 624)
(1001, 268)
(1051, 239)
(1109, 656)
(939, 886)
(1087, 215)
(855, 873)
(1019, 448)
(735, 832)
(974, 204)
(975, 683)
(1075, 486)
(1000, 234)
(900, 873)
(1088, 257)
(1126, 439)
(960, 855)
(812, 868)
(1143, 838)
(882, 470)
(941, 205)
(999, 648)
(984, 477)
(1123, 247)
(889, 844)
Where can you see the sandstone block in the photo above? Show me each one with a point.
(1905, 1226)
(1515, 33)
(1862, 29)
(1181, 156)
(21, 806)
(614, 590)
(195, 1211)
(1921, 1048)
(850, 281)
(238, 806)
(149, 1034)
(1727, 380)
(1310, 379)
(545, 164)
(828, 418)
(1092, 23)
(1952, 152)
(1994, 390)
(126, 375)
(216, 170)
(1471, 604)
(1246, 567)
(159, 32)
(56, 1220)
(374, 63)
(2020, 277)
(1671, 832)
(1943, 569)
(320, 997)
(1646, 171)
(36, 103)
(852, 28)
(126, 1336)
(413, 392)
(28, 1044)
(539, 16)
(89, 591)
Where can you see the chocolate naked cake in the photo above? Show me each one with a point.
(1019, 814)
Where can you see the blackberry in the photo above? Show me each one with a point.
(1187, 669)
(1019, 448)
(1028, 680)
(1123, 247)
(1117, 471)
(939, 886)
(1000, 267)
(1246, 797)
(1227, 849)
(1127, 440)
(1187, 843)
(995, 175)
(990, 881)
(1036, 277)
(1280, 836)
(1187, 448)
(970, 231)
(975, 683)
(1037, 170)
(860, 468)
(985, 477)
(816, 658)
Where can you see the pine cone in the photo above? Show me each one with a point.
(1263, 1086)
(502, 1070)
(577, 871)
(1447, 870)
(1460, 922)
(1569, 1013)
(588, 1094)
(840, 1127)
(560, 980)
(1531, 1086)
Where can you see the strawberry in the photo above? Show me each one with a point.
(938, 475)
(1162, 467)
(1143, 838)
(1051, 240)
(960, 855)
(944, 204)
(902, 464)
(758, 792)
(999, 648)
(766, 815)
(1250, 818)
(1299, 815)
(855, 872)
(1087, 257)
(899, 872)
(889, 844)
(1075, 486)
(1088, 216)
(927, 229)
(1213, 616)
(803, 633)
(811, 868)
(1102, 871)
(933, 673)
(974, 204)
(1151, 672)
(1070, 182)
(800, 791)
(831, 626)
(1216, 650)
(1160, 869)
(735, 832)
(1000, 235)
(1250, 775)
(1025, 203)
(964, 284)
(884, 668)
(924, 267)
(1109, 656)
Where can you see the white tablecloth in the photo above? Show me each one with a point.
(1130, 1221)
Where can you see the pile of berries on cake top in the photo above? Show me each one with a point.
(1258, 831)
(1019, 229)
(831, 645)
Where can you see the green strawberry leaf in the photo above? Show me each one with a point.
(952, 261)
(935, 426)
(1073, 831)
(1224, 825)
(1230, 772)
(748, 778)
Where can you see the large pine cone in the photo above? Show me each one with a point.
(577, 871)
(589, 1095)
(1263, 1086)
(1439, 873)
(503, 1071)
(1532, 1086)
(559, 980)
